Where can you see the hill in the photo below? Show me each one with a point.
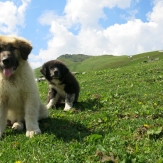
(84, 63)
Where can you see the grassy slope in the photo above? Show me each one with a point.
(94, 63)
(109, 61)
(118, 118)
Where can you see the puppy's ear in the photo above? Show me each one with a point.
(25, 48)
(65, 69)
(43, 70)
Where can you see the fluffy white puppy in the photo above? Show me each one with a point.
(19, 96)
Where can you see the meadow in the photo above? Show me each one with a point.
(118, 119)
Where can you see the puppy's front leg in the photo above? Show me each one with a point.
(53, 101)
(31, 117)
(69, 99)
(3, 120)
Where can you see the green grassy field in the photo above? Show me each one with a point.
(118, 119)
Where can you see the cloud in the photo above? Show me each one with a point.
(62, 42)
(34, 61)
(12, 16)
(47, 17)
(87, 13)
(132, 37)
(155, 15)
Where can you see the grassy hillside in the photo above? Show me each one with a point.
(119, 118)
(110, 61)
(80, 63)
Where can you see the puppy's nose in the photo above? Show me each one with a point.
(56, 72)
(6, 61)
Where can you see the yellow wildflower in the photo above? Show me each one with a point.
(146, 126)
(155, 104)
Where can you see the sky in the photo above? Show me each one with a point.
(91, 27)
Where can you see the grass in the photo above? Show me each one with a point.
(118, 118)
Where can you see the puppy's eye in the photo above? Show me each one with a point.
(51, 67)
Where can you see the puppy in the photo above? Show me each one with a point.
(19, 96)
(62, 84)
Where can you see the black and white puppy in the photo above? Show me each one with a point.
(62, 84)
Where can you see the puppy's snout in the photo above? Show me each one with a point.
(6, 61)
(56, 73)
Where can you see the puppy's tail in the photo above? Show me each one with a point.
(43, 113)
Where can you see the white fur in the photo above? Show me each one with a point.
(69, 101)
(67, 106)
(18, 126)
(19, 100)
(53, 101)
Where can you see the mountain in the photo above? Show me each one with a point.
(73, 57)
(81, 63)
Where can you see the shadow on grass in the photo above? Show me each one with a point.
(156, 136)
(65, 130)
(62, 129)
(89, 104)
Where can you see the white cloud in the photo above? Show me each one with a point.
(47, 17)
(34, 60)
(62, 42)
(12, 16)
(155, 15)
(131, 38)
(88, 13)
(135, 36)
(156, 1)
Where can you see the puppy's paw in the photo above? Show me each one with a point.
(30, 134)
(18, 126)
(67, 107)
(69, 101)
(49, 106)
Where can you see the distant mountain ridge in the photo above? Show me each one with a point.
(80, 62)
(74, 57)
